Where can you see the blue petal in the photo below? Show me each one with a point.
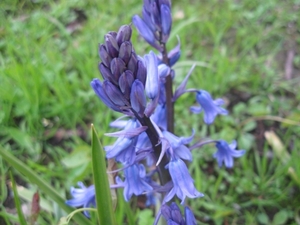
(135, 181)
(144, 30)
(138, 98)
(82, 197)
(189, 216)
(210, 107)
(182, 181)
(152, 81)
(166, 21)
(225, 153)
(97, 86)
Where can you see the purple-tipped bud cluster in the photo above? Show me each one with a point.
(124, 74)
(155, 25)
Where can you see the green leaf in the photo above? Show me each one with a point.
(245, 141)
(21, 216)
(263, 218)
(80, 156)
(249, 126)
(102, 189)
(277, 146)
(145, 217)
(42, 184)
(280, 218)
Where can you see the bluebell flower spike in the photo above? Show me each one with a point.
(226, 152)
(210, 107)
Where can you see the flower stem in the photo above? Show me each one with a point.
(164, 175)
(169, 92)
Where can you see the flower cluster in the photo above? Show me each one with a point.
(140, 88)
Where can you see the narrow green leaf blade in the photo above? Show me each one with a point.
(43, 185)
(102, 189)
(21, 216)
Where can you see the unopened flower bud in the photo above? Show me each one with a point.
(117, 67)
(111, 45)
(125, 51)
(138, 98)
(125, 82)
(114, 94)
(124, 34)
(104, 56)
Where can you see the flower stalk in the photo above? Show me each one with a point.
(141, 88)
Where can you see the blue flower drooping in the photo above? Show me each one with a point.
(210, 107)
(82, 196)
(183, 184)
(135, 181)
(226, 152)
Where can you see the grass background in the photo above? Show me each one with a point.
(246, 52)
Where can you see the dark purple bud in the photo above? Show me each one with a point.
(166, 211)
(117, 67)
(114, 94)
(113, 33)
(106, 74)
(156, 16)
(138, 98)
(104, 56)
(166, 22)
(141, 72)
(124, 34)
(172, 214)
(125, 82)
(112, 46)
(132, 64)
(97, 86)
(175, 213)
(125, 51)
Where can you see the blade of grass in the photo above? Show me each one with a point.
(21, 216)
(102, 189)
(43, 185)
